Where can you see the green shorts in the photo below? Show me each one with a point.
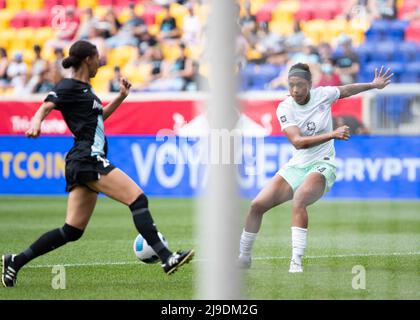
(295, 176)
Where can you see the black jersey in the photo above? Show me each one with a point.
(82, 111)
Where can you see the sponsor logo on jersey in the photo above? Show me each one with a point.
(96, 105)
(283, 119)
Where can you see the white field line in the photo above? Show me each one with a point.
(108, 263)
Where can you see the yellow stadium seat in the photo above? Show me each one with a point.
(253, 54)
(101, 80)
(48, 54)
(153, 29)
(6, 38)
(170, 51)
(139, 9)
(279, 27)
(82, 4)
(33, 5)
(178, 12)
(133, 74)
(5, 17)
(160, 15)
(15, 5)
(194, 52)
(121, 55)
(100, 11)
(23, 39)
(256, 5)
(42, 35)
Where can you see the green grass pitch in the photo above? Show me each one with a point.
(383, 237)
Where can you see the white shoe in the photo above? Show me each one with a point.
(295, 267)
(244, 262)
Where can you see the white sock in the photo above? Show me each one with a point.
(246, 243)
(298, 243)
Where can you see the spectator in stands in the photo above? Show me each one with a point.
(307, 55)
(383, 9)
(114, 83)
(152, 56)
(39, 66)
(168, 28)
(355, 126)
(191, 28)
(176, 76)
(328, 76)
(17, 73)
(414, 15)
(90, 21)
(325, 51)
(110, 24)
(347, 61)
(268, 42)
(45, 81)
(95, 36)
(248, 20)
(59, 56)
(126, 36)
(4, 64)
(295, 41)
(67, 30)
(369, 9)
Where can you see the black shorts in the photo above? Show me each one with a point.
(81, 171)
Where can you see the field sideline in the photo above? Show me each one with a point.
(383, 237)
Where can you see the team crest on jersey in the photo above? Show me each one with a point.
(310, 126)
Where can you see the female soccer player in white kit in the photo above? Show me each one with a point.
(306, 119)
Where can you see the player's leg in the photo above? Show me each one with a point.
(119, 186)
(312, 189)
(81, 203)
(276, 192)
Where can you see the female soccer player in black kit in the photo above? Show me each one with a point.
(88, 171)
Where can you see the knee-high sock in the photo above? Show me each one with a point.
(146, 227)
(246, 243)
(47, 242)
(298, 243)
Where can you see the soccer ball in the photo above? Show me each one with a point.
(144, 252)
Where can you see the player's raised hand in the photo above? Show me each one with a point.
(382, 79)
(342, 133)
(124, 87)
(34, 131)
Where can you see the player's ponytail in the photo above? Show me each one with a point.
(79, 51)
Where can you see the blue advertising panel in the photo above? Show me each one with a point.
(370, 167)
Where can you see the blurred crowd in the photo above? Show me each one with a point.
(334, 63)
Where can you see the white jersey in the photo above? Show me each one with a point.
(313, 118)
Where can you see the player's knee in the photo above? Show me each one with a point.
(71, 233)
(140, 203)
(258, 207)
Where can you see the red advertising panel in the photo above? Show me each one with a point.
(148, 117)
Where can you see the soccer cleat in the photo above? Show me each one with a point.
(9, 272)
(295, 267)
(176, 260)
(244, 262)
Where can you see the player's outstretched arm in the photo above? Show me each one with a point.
(114, 104)
(381, 80)
(299, 141)
(43, 111)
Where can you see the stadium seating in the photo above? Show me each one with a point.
(395, 43)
